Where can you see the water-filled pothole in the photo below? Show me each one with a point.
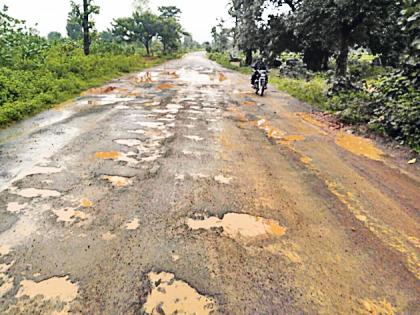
(172, 296)
(240, 225)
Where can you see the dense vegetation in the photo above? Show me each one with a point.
(358, 60)
(38, 72)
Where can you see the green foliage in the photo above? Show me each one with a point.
(310, 91)
(65, 73)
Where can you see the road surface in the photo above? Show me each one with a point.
(179, 190)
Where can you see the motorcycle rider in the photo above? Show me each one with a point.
(257, 66)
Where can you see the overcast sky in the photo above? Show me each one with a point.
(198, 15)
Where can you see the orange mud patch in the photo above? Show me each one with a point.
(99, 90)
(165, 86)
(359, 146)
(306, 160)
(377, 307)
(238, 224)
(222, 77)
(173, 74)
(237, 114)
(173, 296)
(271, 132)
(248, 103)
(86, 203)
(111, 155)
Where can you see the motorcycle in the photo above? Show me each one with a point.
(261, 82)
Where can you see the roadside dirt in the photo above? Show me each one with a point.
(178, 191)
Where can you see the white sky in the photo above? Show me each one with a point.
(198, 16)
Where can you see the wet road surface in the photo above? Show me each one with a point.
(179, 191)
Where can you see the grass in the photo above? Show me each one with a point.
(26, 92)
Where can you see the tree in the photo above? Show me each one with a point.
(54, 36)
(80, 20)
(248, 21)
(141, 27)
(169, 29)
(221, 36)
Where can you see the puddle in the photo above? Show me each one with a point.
(144, 78)
(70, 215)
(7, 284)
(38, 170)
(34, 193)
(133, 225)
(86, 203)
(128, 142)
(100, 90)
(378, 307)
(116, 156)
(194, 138)
(4, 250)
(175, 258)
(148, 124)
(108, 236)
(197, 176)
(172, 296)
(310, 119)
(359, 146)
(223, 180)
(222, 77)
(237, 224)
(55, 288)
(15, 207)
(248, 103)
(118, 181)
(165, 86)
(270, 131)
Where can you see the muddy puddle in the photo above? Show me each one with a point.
(116, 156)
(118, 181)
(57, 288)
(133, 224)
(194, 138)
(223, 179)
(35, 193)
(108, 236)
(359, 146)
(15, 207)
(128, 142)
(171, 296)
(86, 203)
(70, 215)
(240, 225)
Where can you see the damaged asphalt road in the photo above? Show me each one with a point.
(178, 191)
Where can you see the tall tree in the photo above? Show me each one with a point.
(80, 16)
(169, 29)
(248, 20)
(141, 27)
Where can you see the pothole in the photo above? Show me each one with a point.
(116, 156)
(60, 288)
(118, 181)
(194, 138)
(133, 224)
(35, 193)
(70, 215)
(108, 236)
(4, 250)
(128, 142)
(240, 225)
(15, 207)
(223, 180)
(86, 203)
(172, 296)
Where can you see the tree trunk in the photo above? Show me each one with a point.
(248, 59)
(343, 56)
(86, 35)
(147, 45)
